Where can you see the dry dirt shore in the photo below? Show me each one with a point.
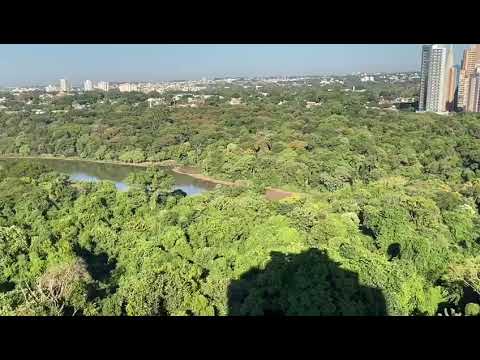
(270, 193)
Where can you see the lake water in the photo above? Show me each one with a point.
(90, 171)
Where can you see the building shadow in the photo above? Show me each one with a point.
(100, 267)
(308, 283)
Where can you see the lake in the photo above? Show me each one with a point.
(90, 171)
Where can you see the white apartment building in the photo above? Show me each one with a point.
(155, 101)
(88, 85)
(436, 62)
(51, 88)
(127, 87)
(103, 85)
(65, 85)
(367, 78)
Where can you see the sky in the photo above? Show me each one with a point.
(22, 65)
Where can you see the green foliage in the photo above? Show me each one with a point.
(133, 156)
(387, 222)
(22, 169)
(154, 179)
(472, 309)
(326, 148)
(374, 249)
(304, 284)
(466, 272)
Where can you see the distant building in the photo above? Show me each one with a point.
(426, 54)
(103, 85)
(468, 75)
(51, 88)
(477, 91)
(88, 85)
(65, 85)
(127, 87)
(367, 78)
(451, 83)
(155, 101)
(78, 106)
(235, 101)
(457, 85)
(473, 102)
(310, 104)
(436, 77)
(461, 89)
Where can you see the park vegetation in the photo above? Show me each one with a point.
(385, 220)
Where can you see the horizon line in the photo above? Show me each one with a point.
(211, 78)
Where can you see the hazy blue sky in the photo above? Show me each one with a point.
(40, 64)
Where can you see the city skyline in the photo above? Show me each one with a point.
(468, 94)
(26, 65)
(437, 85)
(447, 87)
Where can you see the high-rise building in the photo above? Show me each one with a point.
(472, 101)
(65, 85)
(88, 85)
(127, 87)
(461, 88)
(451, 82)
(426, 54)
(103, 85)
(457, 85)
(476, 91)
(471, 59)
(438, 78)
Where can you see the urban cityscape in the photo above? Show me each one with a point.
(193, 93)
(446, 87)
(347, 192)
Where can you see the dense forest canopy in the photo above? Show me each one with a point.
(387, 222)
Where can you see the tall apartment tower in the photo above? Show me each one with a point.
(103, 85)
(437, 85)
(426, 55)
(88, 85)
(471, 59)
(451, 82)
(473, 100)
(461, 89)
(477, 91)
(65, 85)
(457, 86)
(127, 87)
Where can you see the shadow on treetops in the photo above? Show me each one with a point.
(308, 283)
